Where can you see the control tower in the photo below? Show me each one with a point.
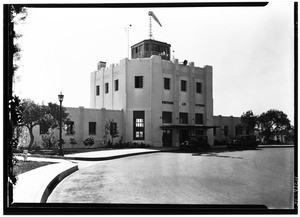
(149, 47)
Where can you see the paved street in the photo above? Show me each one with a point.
(262, 176)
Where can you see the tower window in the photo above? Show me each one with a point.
(198, 118)
(167, 83)
(183, 85)
(138, 81)
(97, 90)
(198, 87)
(116, 85)
(167, 117)
(138, 125)
(183, 118)
(106, 87)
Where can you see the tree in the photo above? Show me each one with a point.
(249, 121)
(273, 122)
(111, 128)
(13, 15)
(45, 116)
(32, 115)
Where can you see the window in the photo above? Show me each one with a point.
(43, 128)
(97, 90)
(70, 128)
(215, 131)
(92, 128)
(167, 83)
(167, 117)
(183, 85)
(106, 87)
(183, 118)
(226, 130)
(198, 118)
(116, 85)
(138, 125)
(198, 87)
(138, 81)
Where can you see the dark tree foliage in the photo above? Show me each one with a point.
(273, 122)
(249, 121)
(13, 15)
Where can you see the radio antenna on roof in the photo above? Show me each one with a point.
(151, 14)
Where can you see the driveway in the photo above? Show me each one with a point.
(263, 176)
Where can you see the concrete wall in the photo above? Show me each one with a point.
(81, 117)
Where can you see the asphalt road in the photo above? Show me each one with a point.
(264, 176)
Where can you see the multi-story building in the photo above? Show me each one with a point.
(162, 101)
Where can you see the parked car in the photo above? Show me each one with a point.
(243, 142)
(195, 143)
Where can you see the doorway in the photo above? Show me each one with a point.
(167, 138)
(183, 135)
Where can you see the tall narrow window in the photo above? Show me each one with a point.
(198, 118)
(183, 118)
(226, 130)
(138, 81)
(167, 117)
(138, 125)
(43, 128)
(198, 87)
(92, 128)
(106, 87)
(167, 83)
(183, 85)
(70, 128)
(116, 85)
(97, 90)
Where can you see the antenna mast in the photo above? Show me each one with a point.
(151, 14)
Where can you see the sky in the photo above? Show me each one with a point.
(251, 50)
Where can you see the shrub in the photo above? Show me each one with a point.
(35, 147)
(73, 141)
(48, 140)
(88, 141)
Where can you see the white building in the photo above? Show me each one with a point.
(163, 101)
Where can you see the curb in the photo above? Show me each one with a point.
(54, 182)
(28, 190)
(109, 157)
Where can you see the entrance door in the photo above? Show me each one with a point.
(183, 135)
(167, 138)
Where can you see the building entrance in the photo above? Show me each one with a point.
(183, 135)
(167, 138)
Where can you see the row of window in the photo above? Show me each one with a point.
(139, 83)
(183, 118)
(183, 85)
(106, 87)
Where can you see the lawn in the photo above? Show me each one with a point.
(25, 166)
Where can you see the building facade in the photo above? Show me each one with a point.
(163, 102)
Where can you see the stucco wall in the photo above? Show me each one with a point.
(81, 117)
(223, 121)
(150, 97)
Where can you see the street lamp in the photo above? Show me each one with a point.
(60, 150)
